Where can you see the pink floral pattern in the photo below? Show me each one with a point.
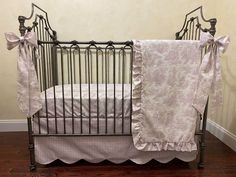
(165, 76)
(171, 87)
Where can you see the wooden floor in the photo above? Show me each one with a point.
(220, 162)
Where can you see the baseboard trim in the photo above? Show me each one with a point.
(222, 134)
(13, 125)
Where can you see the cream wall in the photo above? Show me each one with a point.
(118, 20)
(226, 115)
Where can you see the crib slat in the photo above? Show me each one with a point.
(196, 30)
(114, 84)
(193, 26)
(63, 92)
(47, 55)
(119, 67)
(85, 62)
(45, 85)
(54, 73)
(39, 63)
(97, 72)
(106, 81)
(89, 87)
(199, 32)
(91, 66)
(72, 91)
(123, 81)
(190, 30)
(68, 65)
(131, 76)
(80, 92)
(74, 68)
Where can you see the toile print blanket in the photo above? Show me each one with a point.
(170, 88)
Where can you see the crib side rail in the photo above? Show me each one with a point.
(38, 22)
(96, 77)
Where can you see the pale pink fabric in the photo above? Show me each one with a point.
(170, 89)
(122, 96)
(165, 74)
(28, 93)
(210, 80)
(95, 149)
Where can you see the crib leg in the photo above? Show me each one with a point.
(201, 163)
(32, 165)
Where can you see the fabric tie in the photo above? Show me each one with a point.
(210, 80)
(28, 92)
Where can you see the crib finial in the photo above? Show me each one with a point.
(22, 27)
(212, 29)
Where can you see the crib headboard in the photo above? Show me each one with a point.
(39, 23)
(77, 62)
(194, 23)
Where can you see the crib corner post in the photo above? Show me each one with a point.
(32, 165)
(212, 29)
(201, 163)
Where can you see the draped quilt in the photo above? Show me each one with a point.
(170, 88)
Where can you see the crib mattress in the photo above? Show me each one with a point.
(101, 125)
(87, 101)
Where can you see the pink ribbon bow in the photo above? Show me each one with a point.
(28, 92)
(210, 80)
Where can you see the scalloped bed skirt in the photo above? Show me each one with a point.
(94, 149)
(116, 149)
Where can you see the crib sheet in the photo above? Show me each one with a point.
(121, 92)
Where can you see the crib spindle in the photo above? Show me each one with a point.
(54, 80)
(114, 87)
(123, 81)
(72, 91)
(97, 79)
